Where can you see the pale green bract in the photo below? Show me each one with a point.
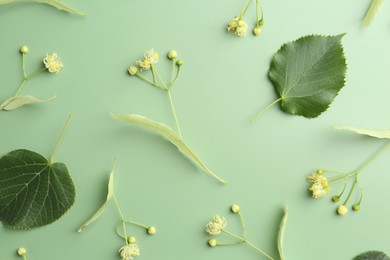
(372, 11)
(282, 231)
(100, 211)
(372, 255)
(169, 134)
(363, 131)
(18, 101)
(53, 3)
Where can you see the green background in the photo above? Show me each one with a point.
(222, 85)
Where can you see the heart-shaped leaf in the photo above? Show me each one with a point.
(100, 211)
(363, 131)
(33, 191)
(307, 74)
(16, 102)
(54, 3)
(372, 255)
(169, 134)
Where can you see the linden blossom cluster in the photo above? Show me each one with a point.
(240, 27)
(51, 63)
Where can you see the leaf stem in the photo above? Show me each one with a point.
(265, 109)
(60, 138)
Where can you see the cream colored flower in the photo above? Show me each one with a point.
(144, 64)
(232, 25)
(127, 252)
(318, 190)
(214, 228)
(53, 63)
(242, 28)
(151, 56)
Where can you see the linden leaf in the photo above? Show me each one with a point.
(373, 133)
(100, 211)
(307, 74)
(372, 11)
(372, 255)
(33, 191)
(282, 231)
(169, 134)
(53, 3)
(16, 102)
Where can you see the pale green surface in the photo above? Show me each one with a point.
(222, 85)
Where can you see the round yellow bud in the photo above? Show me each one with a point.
(342, 210)
(179, 63)
(24, 49)
(133, 70)
(152, 230)
(235, 208)
(320, 171)
(172, 54)
(131, 240)
(212, 242)
(240, 23)
(257, 31)
(22, 251)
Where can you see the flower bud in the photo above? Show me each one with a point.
(133, 70)
(342, 210)
(235, 208)
(240, 23)
(179, 63)
(335, 198)
(320, 171)
(24, 49)
(356, 207)
(212, 242)
(131, 240)
(22, 251)
(172, 54)
(152, 230)
(260, 22)
(257, 31)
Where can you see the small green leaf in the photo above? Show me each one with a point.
(372, 11)
(282, 231)
(54, 3)
(16, 102)
(307, 74)
(33, 191)
(169, 134)
(373, 133)
(372, 255)
(100, 211)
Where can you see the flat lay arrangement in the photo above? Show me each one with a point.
(173, 93)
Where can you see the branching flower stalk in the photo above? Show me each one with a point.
(130, 248)
(238, 24)
(218, 226)
(321, 185)
(51, 63)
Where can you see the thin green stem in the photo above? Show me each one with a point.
(230, 244)
(123, 220)
(21, 87)
(245, 8)
(150, 82)
(372, 158)
(247, 242)
(35, 73)
(173, 72)
(351, 191)
(137, 224)
(24, 257)
(265, 109)
(242, 223)
(174, 81)
(174, 112)
(23, 66)
(60, 138)
(154, 76)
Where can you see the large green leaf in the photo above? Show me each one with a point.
(54, 3)
(33, 191)
(372, 255)
(169, 134)
(307, 74)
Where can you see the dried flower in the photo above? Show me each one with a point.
(53, 63)
(127, 252)
(214, 228)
